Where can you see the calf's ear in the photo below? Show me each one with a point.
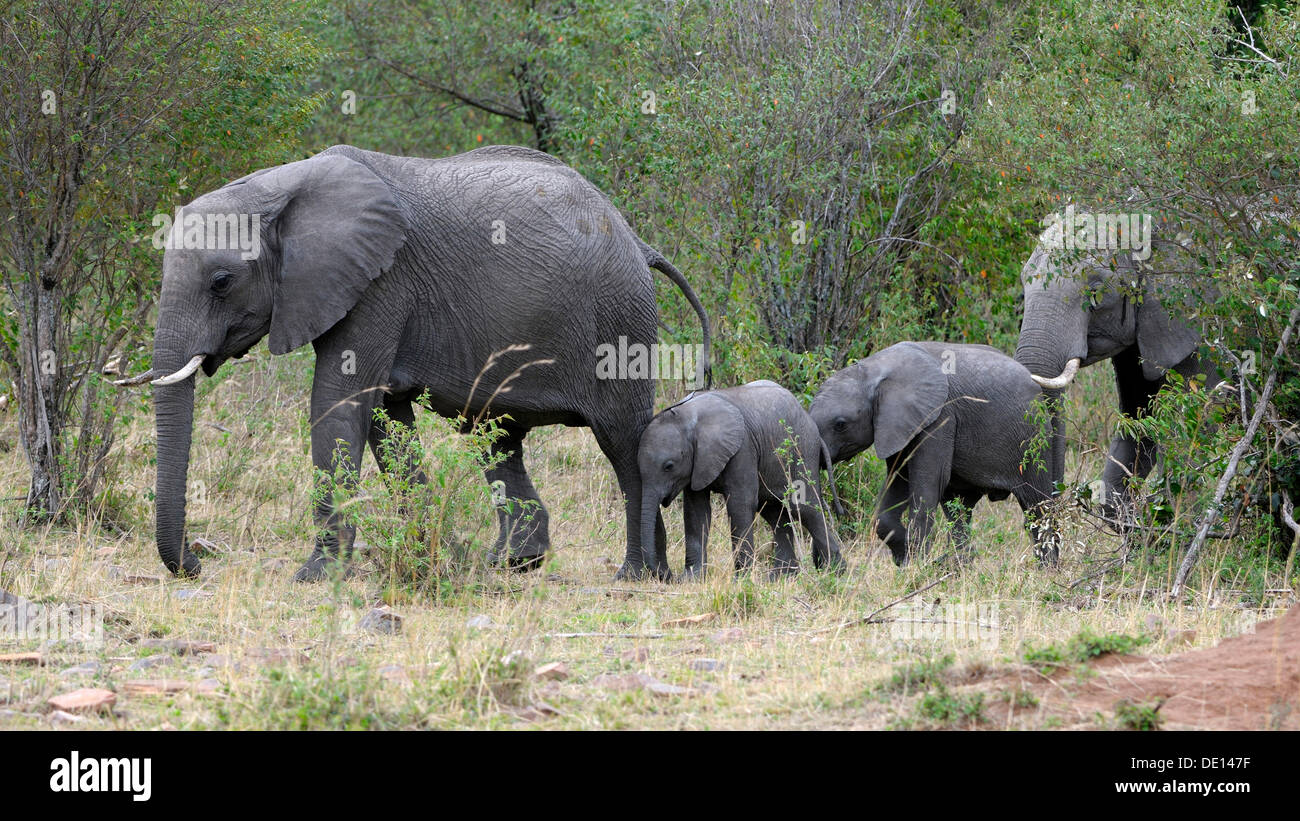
(909, 391)
(719, 433)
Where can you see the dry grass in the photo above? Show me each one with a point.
(777, 658)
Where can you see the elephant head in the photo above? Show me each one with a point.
(886, 400)
(687, 444)
(1098, 306)
(323, 228)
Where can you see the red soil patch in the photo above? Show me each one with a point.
(1250, 682)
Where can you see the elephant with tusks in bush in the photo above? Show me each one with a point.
(1134, 304)
(487, 282)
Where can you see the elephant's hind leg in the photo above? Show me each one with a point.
(619, 444)
(785, 562)
(525, 533)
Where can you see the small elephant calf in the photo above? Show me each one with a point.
(756, 446)
(952, 423)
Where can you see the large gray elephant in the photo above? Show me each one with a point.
(1081, 307)
(407, 276)
(755, 445)
(953, 424)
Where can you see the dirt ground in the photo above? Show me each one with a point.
(1250, 682)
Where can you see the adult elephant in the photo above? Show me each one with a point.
(1083, 307)
(486, 281)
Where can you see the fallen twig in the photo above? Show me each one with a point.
(604, 635)
(871, 619)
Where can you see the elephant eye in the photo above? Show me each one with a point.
(840, 424)
(221, 281)
(668, 465)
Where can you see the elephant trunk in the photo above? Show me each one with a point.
(173, 420)
(173, 399)
(1053, 333)
(649, 519)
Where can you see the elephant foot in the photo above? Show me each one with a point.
(692, 574)
(321, 567)
(782, 571)
(637, 574)
(525, 553)
(835, 564)
(524, 564)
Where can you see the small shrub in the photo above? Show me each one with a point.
(1144, 717)
(944, 708)
(426, 539)
(921, 675)
(1081, 648)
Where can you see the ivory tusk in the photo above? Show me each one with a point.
(1067, 375)
(183, 374)
(130, 381)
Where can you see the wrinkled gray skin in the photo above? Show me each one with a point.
(734, 442)
(387, 266)
(940, 443)
(1093, 310)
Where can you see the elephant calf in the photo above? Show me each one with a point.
(952, 423)
(756, 446)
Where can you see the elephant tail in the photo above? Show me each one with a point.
(830, 480)
(660, 263)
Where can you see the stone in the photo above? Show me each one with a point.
(208, 687)
(85, 668)
(1154, 624)
(617, 681)
(641, 681)
(21, 658)
(636, 654)
(705, 665)
(206, 547)
(272, 656)
(140, 578)
(395, 673)
(7, 598)
(84, 700)
(480, 623)
(382, 620)
(185, 594)
(728, 634)
(61, 717)
(553, 671)
(690, 621)
(155, 686)
(149, 662)
(181, 647)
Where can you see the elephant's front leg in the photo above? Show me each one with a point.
(525, 533)
(889, 516)
(696, 513)
(338, 435)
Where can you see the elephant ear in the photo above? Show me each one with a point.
(910, 389)
(338, 226)
(1163, 341)
(719, 432)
